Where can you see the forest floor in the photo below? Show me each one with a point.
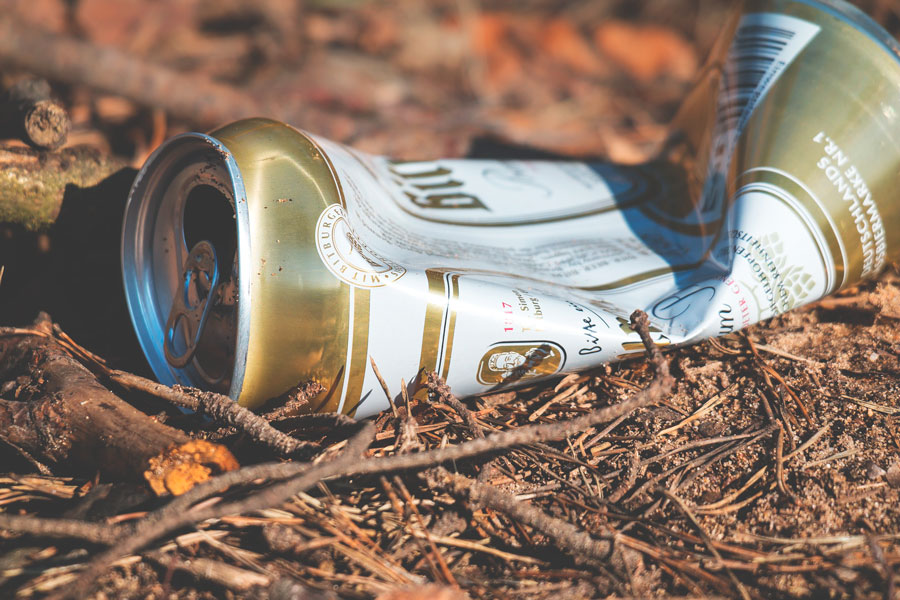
(772, 469)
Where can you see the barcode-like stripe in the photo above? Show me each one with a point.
(754, 49)
(763, 46)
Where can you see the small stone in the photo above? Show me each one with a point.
(710, 496)
(664, 414)
(874, 471)
(724, 381)
(893, 475)
(711, 428)
(282, 538)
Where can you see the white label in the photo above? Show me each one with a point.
(490, 192)
(495, 273)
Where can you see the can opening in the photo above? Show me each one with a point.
(209, 215)
(209, 218)
(184, 224)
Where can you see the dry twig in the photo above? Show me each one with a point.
(98, 533)
(706, 540)
(152, 528)
(565, 535)
(300, 477)
(436, 385)
(221, 408)
(294, 402)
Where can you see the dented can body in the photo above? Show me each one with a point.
(259, 256)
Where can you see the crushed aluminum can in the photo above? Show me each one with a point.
(259, 256)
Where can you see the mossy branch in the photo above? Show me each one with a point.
(33, 183)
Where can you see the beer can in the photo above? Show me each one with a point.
(259, 256)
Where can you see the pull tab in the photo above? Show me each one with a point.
(190, 307)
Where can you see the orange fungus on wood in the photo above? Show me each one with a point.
(180, 468)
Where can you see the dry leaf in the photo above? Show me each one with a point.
(646, 51)
(562, 41)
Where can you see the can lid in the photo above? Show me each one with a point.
(181, 261)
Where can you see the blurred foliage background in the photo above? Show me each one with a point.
(406, 77)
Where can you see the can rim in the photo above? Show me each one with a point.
(863, 22)
(139, 298)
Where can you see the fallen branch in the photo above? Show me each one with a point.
(71, 60)
(437, 386)
(295, 478)
(96, 533)
(295, 402)
(566, 536)
(221, 408)
(57, 411)
(152, 528)
(34, 183)
(177, 513)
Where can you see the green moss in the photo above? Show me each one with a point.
(33, 184)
